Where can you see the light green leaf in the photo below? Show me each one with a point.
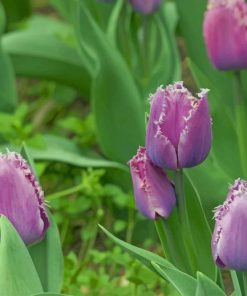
(50, 55)
(207, 287)
(48, 259)
(184, 283)
(236, 285)
(18, 276)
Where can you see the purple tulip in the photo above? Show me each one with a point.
(225, 33)
(230, 233)
(154, 193)
(179, 128)
(21, 198)
(145, 6)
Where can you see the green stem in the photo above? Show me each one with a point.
(160, 230)
(66, 192)
(146, 47)
(184, 219)
(244, 274)
(241, 121)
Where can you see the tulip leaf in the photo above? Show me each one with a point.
(159, 265)
(184, 283)
(116, 102)
(236, 284)
(18, 276)
(48, 259)
(207, 287)
(50, 54)
(200, 231)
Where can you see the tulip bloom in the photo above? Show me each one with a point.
(145, 6)
(154, 193)
(230, 232)
(179, 128)
(21, 198)
(225, 33)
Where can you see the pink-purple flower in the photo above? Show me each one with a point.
(230, 232)
(225, 33)
(21, 198)
(145, 6)
(154, 193)
(179, 128)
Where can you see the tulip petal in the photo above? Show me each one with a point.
(21, 198)
(225, 33)
(145, 6)
(195, 140)
(154, 193)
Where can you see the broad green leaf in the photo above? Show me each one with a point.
(116, 102)
(2, 19)
(48, 55)
(184, 283)
(48, 259)
(18, 276)
(207, 287)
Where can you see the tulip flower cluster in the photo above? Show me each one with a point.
(178, 136)
(21, 198)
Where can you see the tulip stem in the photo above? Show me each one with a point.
(241, 121)
(162, 237)
(184, 219)
(244, 275)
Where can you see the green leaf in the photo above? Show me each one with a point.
(207, 287)
(18, 276)
(50, 54)
(143, 256)
(236, 285)
(159, 265)
(200, 230)
(117, 106)
(184, 283)
(48, 259)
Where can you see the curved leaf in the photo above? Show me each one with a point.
(18, 276)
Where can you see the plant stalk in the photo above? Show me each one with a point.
(241, 121)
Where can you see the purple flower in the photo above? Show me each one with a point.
(230, 233)
(179, 128)
(21, 198)
(145, 6)
(225, 33)
(154, 193)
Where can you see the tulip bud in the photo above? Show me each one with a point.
(145, 6)
(21, 198)
(225, 33)
(179, 128)
(154, 193)
(230, 232)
